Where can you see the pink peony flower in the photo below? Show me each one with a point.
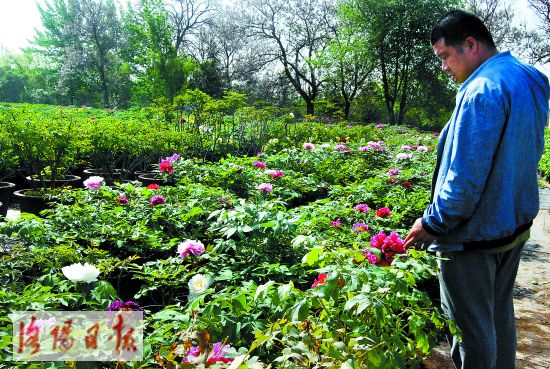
(360, 227)
(383, 212)
(406, 148)
(376, 145)
(93, 182)
(153, 186)
(380, 126)
(402, 156)
(309, 146)
(388, 246)
(190, 246)
(157, 200)
(122, 199)
(422, 148)
(265, 187)
(436, 134)
(274, 173)
(372, 258)
(392, 180)
(259, 164)
(364, 148)
(336, 223)
(393, 172)
(259, 153)
(340, 148)
(363, 208)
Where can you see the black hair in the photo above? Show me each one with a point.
(455, 26)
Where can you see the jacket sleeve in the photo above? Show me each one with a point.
(473, 147)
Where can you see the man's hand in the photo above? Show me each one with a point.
(418, 236)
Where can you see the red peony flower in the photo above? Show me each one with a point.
(153, 186)
(383, 213)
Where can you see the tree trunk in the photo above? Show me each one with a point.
(310, 108)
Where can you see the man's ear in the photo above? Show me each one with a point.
(470, 43)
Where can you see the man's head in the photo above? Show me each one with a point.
(462, 43)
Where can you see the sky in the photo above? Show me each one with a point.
(19, 20)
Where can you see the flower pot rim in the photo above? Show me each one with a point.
(65, 177)
(4, 184)
(22, 193)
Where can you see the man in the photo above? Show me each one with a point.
(484, 190)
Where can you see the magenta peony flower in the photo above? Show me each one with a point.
(340, 148)
(118, 305)
(217, 354)
(376, 145)
(190, 246)
(265, 187)
(363, 208)
(157, 200)
(93, 182)
(393, 172)
(274, 173)
(360, 227)
(309, 146)
(364, 148)
(336, 223)
(406, 148)
(380, 126)
(122, 199)
(194, 352)
(259, 164)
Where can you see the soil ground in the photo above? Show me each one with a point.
(531, 299)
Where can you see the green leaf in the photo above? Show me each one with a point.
(300, 310)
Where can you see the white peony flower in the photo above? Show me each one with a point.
(81, 273)
(198, 284)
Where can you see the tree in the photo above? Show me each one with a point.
(349, 64)
(540, 51)
(396, 33)
(295, 33)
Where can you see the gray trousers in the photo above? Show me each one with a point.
(477, 294)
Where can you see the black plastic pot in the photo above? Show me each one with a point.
(150, 178)
(6, 189)
(66, 180)
(110, 178)
(30, 203)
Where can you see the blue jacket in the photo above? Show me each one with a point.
(488, 154)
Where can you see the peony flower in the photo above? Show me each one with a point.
(406, 148)
(198, 284)
(321, 278)
(267, 187)
(436, 134)
(363, 148)
(392, 180)
(407, 184)
(122, 199)
(194, 355)
(309, 146)
(383, 212)
(402, 156)
(118, 305)
(166, 166)
(340, 148)
(81, 273)
(153, 186)
(372, 258)
(360, 227)
(380, 126)
(376, 145)
(274, 173)
(336, 223)
(259, 153)
(393, 172)
(173, 158)
(363, 208)
(157, 200)
(325, 146)
(422, 148)
(259, 164)
(217, 354)
(190, 246)
(94, 182)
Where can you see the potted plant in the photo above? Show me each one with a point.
(45, 144)
(8, 166)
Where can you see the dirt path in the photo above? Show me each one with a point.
(531, 299)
